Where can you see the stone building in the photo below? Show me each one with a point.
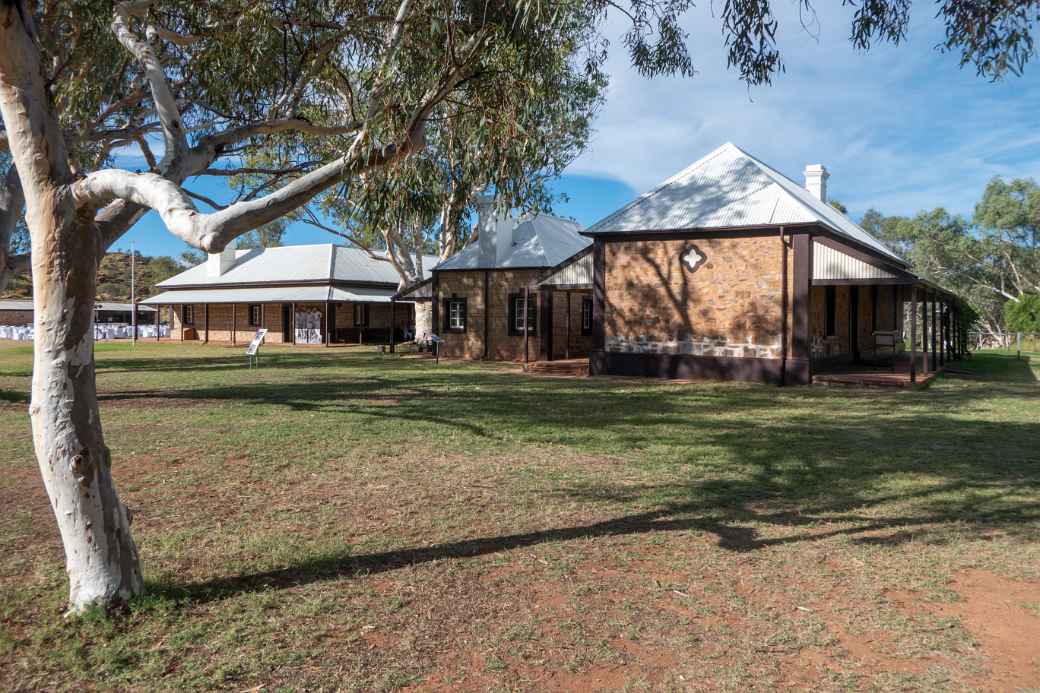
(727, 270)
(302, 294)
(486, 299)
(731, 270)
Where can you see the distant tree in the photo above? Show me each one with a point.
(839, 206)
(269, 235)
(1023, 315)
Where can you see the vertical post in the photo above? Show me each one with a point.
(599, 295)
(527, 331)
(158, 321)
(546, 346)
(393, 325)
(935, 335)
(944, 349)
(292, 322)
(801, 298)
(328, 331)
(1018, 347)
(784, 302)
(261, 315)
(567, 344)
(133, 295)
(486, 312)
(925, 365)
(435, 300)
(182, 322)
(913, 334)
(205, 312)
(234, 322)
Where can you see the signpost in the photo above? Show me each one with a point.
(436, 348)
(253, 350)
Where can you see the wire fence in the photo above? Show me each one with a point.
(1012, 341)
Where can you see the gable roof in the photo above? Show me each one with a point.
(539, 240)
(325, 262)
(731, 188)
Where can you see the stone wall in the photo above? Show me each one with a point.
(16, 317)
(728, 306)
(470, 285)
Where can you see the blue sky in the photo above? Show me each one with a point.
(899, 128)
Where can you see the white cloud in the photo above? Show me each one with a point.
(901, 128)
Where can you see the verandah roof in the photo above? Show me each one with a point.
(275, 294)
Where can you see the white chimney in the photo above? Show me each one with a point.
(485, 205)
(217, 264)
(816, 181)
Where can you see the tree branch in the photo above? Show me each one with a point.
(212, 232)
(165, 103)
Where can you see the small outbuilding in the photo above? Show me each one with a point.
(486, 300)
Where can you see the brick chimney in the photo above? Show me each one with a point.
(816, 181)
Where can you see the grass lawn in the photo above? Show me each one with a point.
(342, 519)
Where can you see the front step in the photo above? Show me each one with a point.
(572, 368)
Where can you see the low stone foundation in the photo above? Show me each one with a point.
(695, 347)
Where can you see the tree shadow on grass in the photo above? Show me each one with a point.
(804, 464)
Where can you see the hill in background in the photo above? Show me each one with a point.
(114, 277)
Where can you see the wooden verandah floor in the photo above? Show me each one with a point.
(872, 375)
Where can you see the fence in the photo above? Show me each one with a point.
(1012, 341)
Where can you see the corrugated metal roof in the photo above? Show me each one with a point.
(419, 291)
(729, 188)
(296, 263)
(27, 304)
(539, 240)
(266, 294)
(360, 294)
(577, 273)
(275, 294)
(830, 263)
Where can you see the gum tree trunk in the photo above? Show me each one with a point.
(101, 559)
(100, 555)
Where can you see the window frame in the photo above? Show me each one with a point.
(361, 309)
(188, 314)
(586, 309)
(249, 315)
(514, 327)
(463, 305)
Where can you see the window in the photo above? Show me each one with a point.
(254, 315)
(188, 315)
(586, 316)
(832, 311)
(360, 315)
(455, 315)
(516, 314)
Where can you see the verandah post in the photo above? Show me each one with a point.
(393, 324)
(234, 322)
(913, 334)
(925, 364)
(527, 331)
